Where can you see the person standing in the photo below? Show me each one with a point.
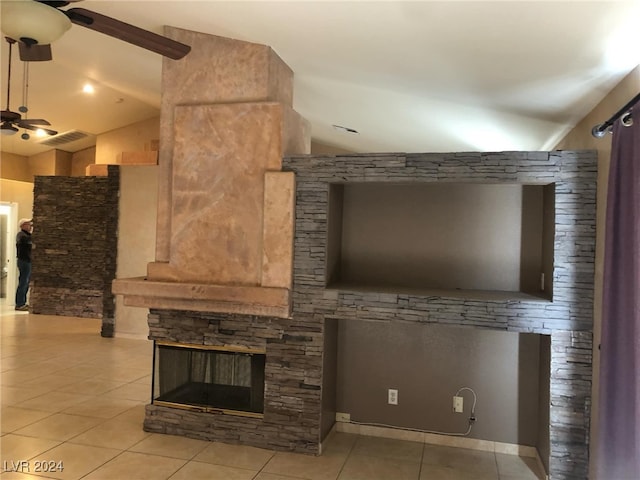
(23, 247)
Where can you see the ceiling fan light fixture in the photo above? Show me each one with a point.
(7, 129)
(33, 22)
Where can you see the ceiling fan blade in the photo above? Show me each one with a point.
(33, 121)
(128, 33)
(35, 52)
(35, 128)
(57, 3)
(9, 116)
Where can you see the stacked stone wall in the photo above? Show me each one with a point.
(75, 237)
(568, 318)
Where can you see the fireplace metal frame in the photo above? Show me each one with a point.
(201, 408)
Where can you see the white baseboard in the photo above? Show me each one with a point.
(131, 336)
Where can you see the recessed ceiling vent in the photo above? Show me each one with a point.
(62, 138)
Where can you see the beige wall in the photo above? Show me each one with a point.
(133, 138)
(42, 164)
(81, 160)
(580, 138)
(15, 167)
(136, 240)
(323, 149)
(20, 193)
(63, 163)
(24, 169)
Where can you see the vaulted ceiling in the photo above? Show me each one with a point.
(407, 76)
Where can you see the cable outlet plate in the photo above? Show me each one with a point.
(392, 396)
(458, 404)
(343, 417)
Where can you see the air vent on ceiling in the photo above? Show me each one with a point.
(62, 138)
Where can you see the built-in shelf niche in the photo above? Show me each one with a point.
(476, 240)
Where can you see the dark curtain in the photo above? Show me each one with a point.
(618, 440)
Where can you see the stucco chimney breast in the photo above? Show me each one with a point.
(225, 208)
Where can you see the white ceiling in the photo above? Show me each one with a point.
(419, 76)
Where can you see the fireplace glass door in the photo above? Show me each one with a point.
(209, 379)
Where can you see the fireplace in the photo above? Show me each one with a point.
(223, 267)
(278, 359)
(208, 379)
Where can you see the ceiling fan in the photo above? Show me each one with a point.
(35, 24)
(12, 121)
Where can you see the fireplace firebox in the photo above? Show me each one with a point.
(209, 379)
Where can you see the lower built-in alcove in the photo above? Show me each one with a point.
(509, 373)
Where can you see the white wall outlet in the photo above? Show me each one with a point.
(392, 396)
(343, 417)
(457, 404)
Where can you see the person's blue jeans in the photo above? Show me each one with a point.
(24, 266)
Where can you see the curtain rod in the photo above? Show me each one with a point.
(600, 130)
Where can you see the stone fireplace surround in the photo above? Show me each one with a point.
(292, 379)
(299, 383)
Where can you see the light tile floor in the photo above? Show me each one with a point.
(69, 396)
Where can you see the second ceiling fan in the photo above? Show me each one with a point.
(10, 121)
(35, 24)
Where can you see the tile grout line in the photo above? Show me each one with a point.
(346, 458)
(424, 447)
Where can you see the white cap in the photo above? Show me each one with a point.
(23, 221)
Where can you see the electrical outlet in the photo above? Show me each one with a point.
(392, 396)
(457, 404)
(343, 417)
